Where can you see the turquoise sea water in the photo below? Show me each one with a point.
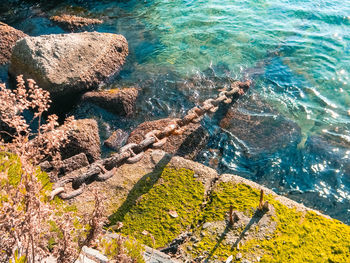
(296, 52)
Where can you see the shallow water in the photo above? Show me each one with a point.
(296, 52)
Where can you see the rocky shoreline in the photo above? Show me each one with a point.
(165, 200)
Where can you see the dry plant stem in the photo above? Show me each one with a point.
(26, 215)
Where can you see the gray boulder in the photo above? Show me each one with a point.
(66, 64)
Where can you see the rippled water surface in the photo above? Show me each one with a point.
(291, 132)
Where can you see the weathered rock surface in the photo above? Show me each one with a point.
(8, 38)
(126, 177)
(68, 64)
(74, 163)
(186, 145)
(118, 101)
(116, 140)
(260, 127)
(72, 22)
(127, 188)
(83, 138)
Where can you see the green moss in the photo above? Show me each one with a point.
(306, 238)
(298, 237)
(242, 197)
(113, 248)
(10, 164)
(176, 190)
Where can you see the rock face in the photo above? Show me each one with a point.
(118, 101)
(74, 163)
(66, 64)
(186, 145)
(83, 138)
(8, 37)
(260, 127)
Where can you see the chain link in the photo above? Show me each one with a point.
(102, 170)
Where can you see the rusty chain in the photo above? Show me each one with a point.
(104, 169)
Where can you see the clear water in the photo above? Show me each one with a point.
(296, 52)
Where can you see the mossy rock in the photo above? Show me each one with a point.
(170, 207)
(283, 234)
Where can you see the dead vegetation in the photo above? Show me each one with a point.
(32, 226)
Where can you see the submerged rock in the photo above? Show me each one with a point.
(118, 101)
(68, 64)
(259, 127)
(72, 22)
(83, 138)
(187, 145)
(8, 37)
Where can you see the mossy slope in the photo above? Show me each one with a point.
(298, 236)
(177, 190)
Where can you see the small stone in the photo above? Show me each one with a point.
(116, 140)
(206, 225)
(239, 256)
(258, 259)
(46, 166)
(229, 259)
(173, 213)
(189, 248)
(117, 226)
(195, 176)
(203, 234)
(145, 233)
